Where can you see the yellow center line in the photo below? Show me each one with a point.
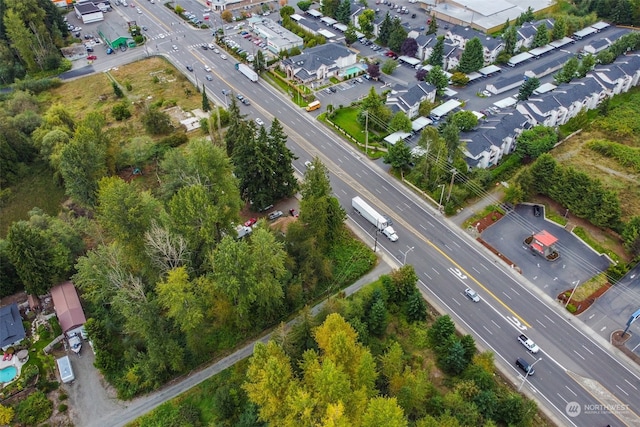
(337, 170)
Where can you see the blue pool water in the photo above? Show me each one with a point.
(352, 70)
(7, 374)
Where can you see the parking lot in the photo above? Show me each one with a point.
(577, 262)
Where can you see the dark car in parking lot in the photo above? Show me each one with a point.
(190, 68)
(537, 211)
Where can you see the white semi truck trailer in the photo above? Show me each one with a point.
(371, 215)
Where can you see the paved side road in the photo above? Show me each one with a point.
(95, 406)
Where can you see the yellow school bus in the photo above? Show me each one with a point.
(313, 106)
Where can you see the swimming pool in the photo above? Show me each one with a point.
(352, 70)
(7, 374)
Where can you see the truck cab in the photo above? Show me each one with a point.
(390, 233)
(528, 343)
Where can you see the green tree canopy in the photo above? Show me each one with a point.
(399, 156)
(435, 58)
(472, 58)
(542, 36)
(527, 88)
(534, 142)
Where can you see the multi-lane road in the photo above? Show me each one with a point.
(574, 370)
(577, 379)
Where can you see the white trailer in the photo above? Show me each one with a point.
(371, 215)
(247, 71)
(66, 371)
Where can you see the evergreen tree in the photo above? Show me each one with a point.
(398, 35)
(527, 88)
(510, 38)
(344, 12)
(287, 184)
(416, 307)
(206, 105)
(542, 36)
(117, 91)
(586, 65)
(350, 35)
(568, 72)
(327, 7)
(472, 58)
(237, 128)
(437, 53)
(506, 26)
(385, 30)
(433, 25)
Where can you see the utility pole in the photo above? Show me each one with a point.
(577, 282)
(366, 132)
(440, 208)
(453, 175)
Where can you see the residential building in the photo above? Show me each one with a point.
(278, 38)
(408, 100)
(11, 329)
(485, 146)
(68, 308)
(505, 83)
(320, 62)
(425, 46)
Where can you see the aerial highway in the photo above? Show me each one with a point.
(577, 379)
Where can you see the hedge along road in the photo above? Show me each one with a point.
(122, 413)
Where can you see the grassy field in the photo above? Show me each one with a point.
(623, 180)
(152, 80)
(39, 190)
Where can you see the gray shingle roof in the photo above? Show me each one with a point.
(11, 329)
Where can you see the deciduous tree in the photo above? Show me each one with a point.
(365, 22)
(399, 156)
(542, 36)
(409, 47)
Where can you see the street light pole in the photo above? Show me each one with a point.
(404, 261)
(526, 375)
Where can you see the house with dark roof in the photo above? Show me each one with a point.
(525, 35)
(505, 83)
(319, 63)
(565, 102)
(544, 68)
(67, 305)
(408, 100)
(491, 47)
(451, 56)
(486, 145)
(425, 46)
(11, 329)
(596, 46)
(621, 75)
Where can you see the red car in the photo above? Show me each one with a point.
(293, 212)
(92, 57)
(250, 222)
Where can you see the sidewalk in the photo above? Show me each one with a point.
(494, 196)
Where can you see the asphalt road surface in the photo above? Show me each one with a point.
(577, 379)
